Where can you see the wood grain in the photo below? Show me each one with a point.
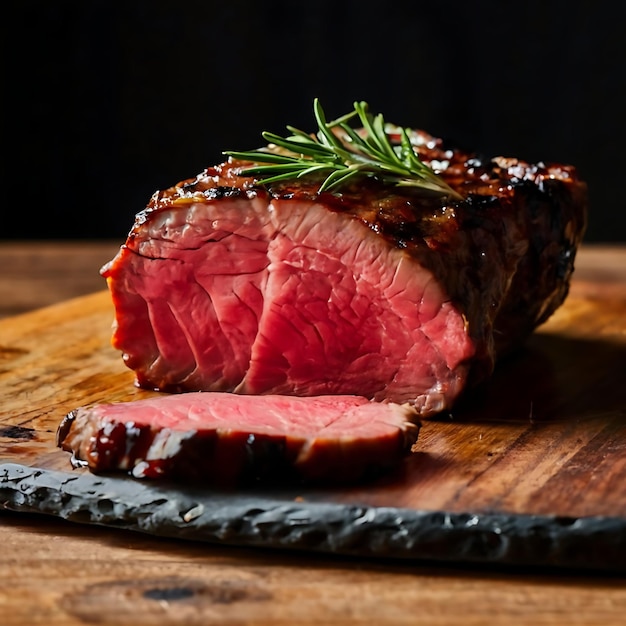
(34, 274)
(548, 433)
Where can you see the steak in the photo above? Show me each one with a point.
(228, 285)
(228, 440)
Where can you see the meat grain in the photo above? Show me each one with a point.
(230, 286)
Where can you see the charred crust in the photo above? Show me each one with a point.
(64, 428)
(266, 458)
(217, 193)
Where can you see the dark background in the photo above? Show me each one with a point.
(107, 101)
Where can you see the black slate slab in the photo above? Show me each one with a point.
(288, 522)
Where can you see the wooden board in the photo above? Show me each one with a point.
(545, 437)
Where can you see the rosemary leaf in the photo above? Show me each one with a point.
(340, 153)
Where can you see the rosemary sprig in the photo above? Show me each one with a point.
(339, 153)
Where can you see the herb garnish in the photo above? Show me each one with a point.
(340, 153)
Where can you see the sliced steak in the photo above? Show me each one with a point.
(227, 285)
(227, 439)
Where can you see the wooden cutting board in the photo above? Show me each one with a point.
(528, 470)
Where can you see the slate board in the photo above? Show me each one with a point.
(528, 470)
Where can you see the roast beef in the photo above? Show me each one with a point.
(228, 285)
(226, 440)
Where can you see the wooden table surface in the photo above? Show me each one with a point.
(54, 572)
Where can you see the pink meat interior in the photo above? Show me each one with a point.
(307, 418)
(282, 297)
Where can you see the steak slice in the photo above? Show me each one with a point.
(227, 439)
(227, 285)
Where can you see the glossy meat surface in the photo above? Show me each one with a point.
(226, 285)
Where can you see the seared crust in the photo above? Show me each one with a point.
(226, 453)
